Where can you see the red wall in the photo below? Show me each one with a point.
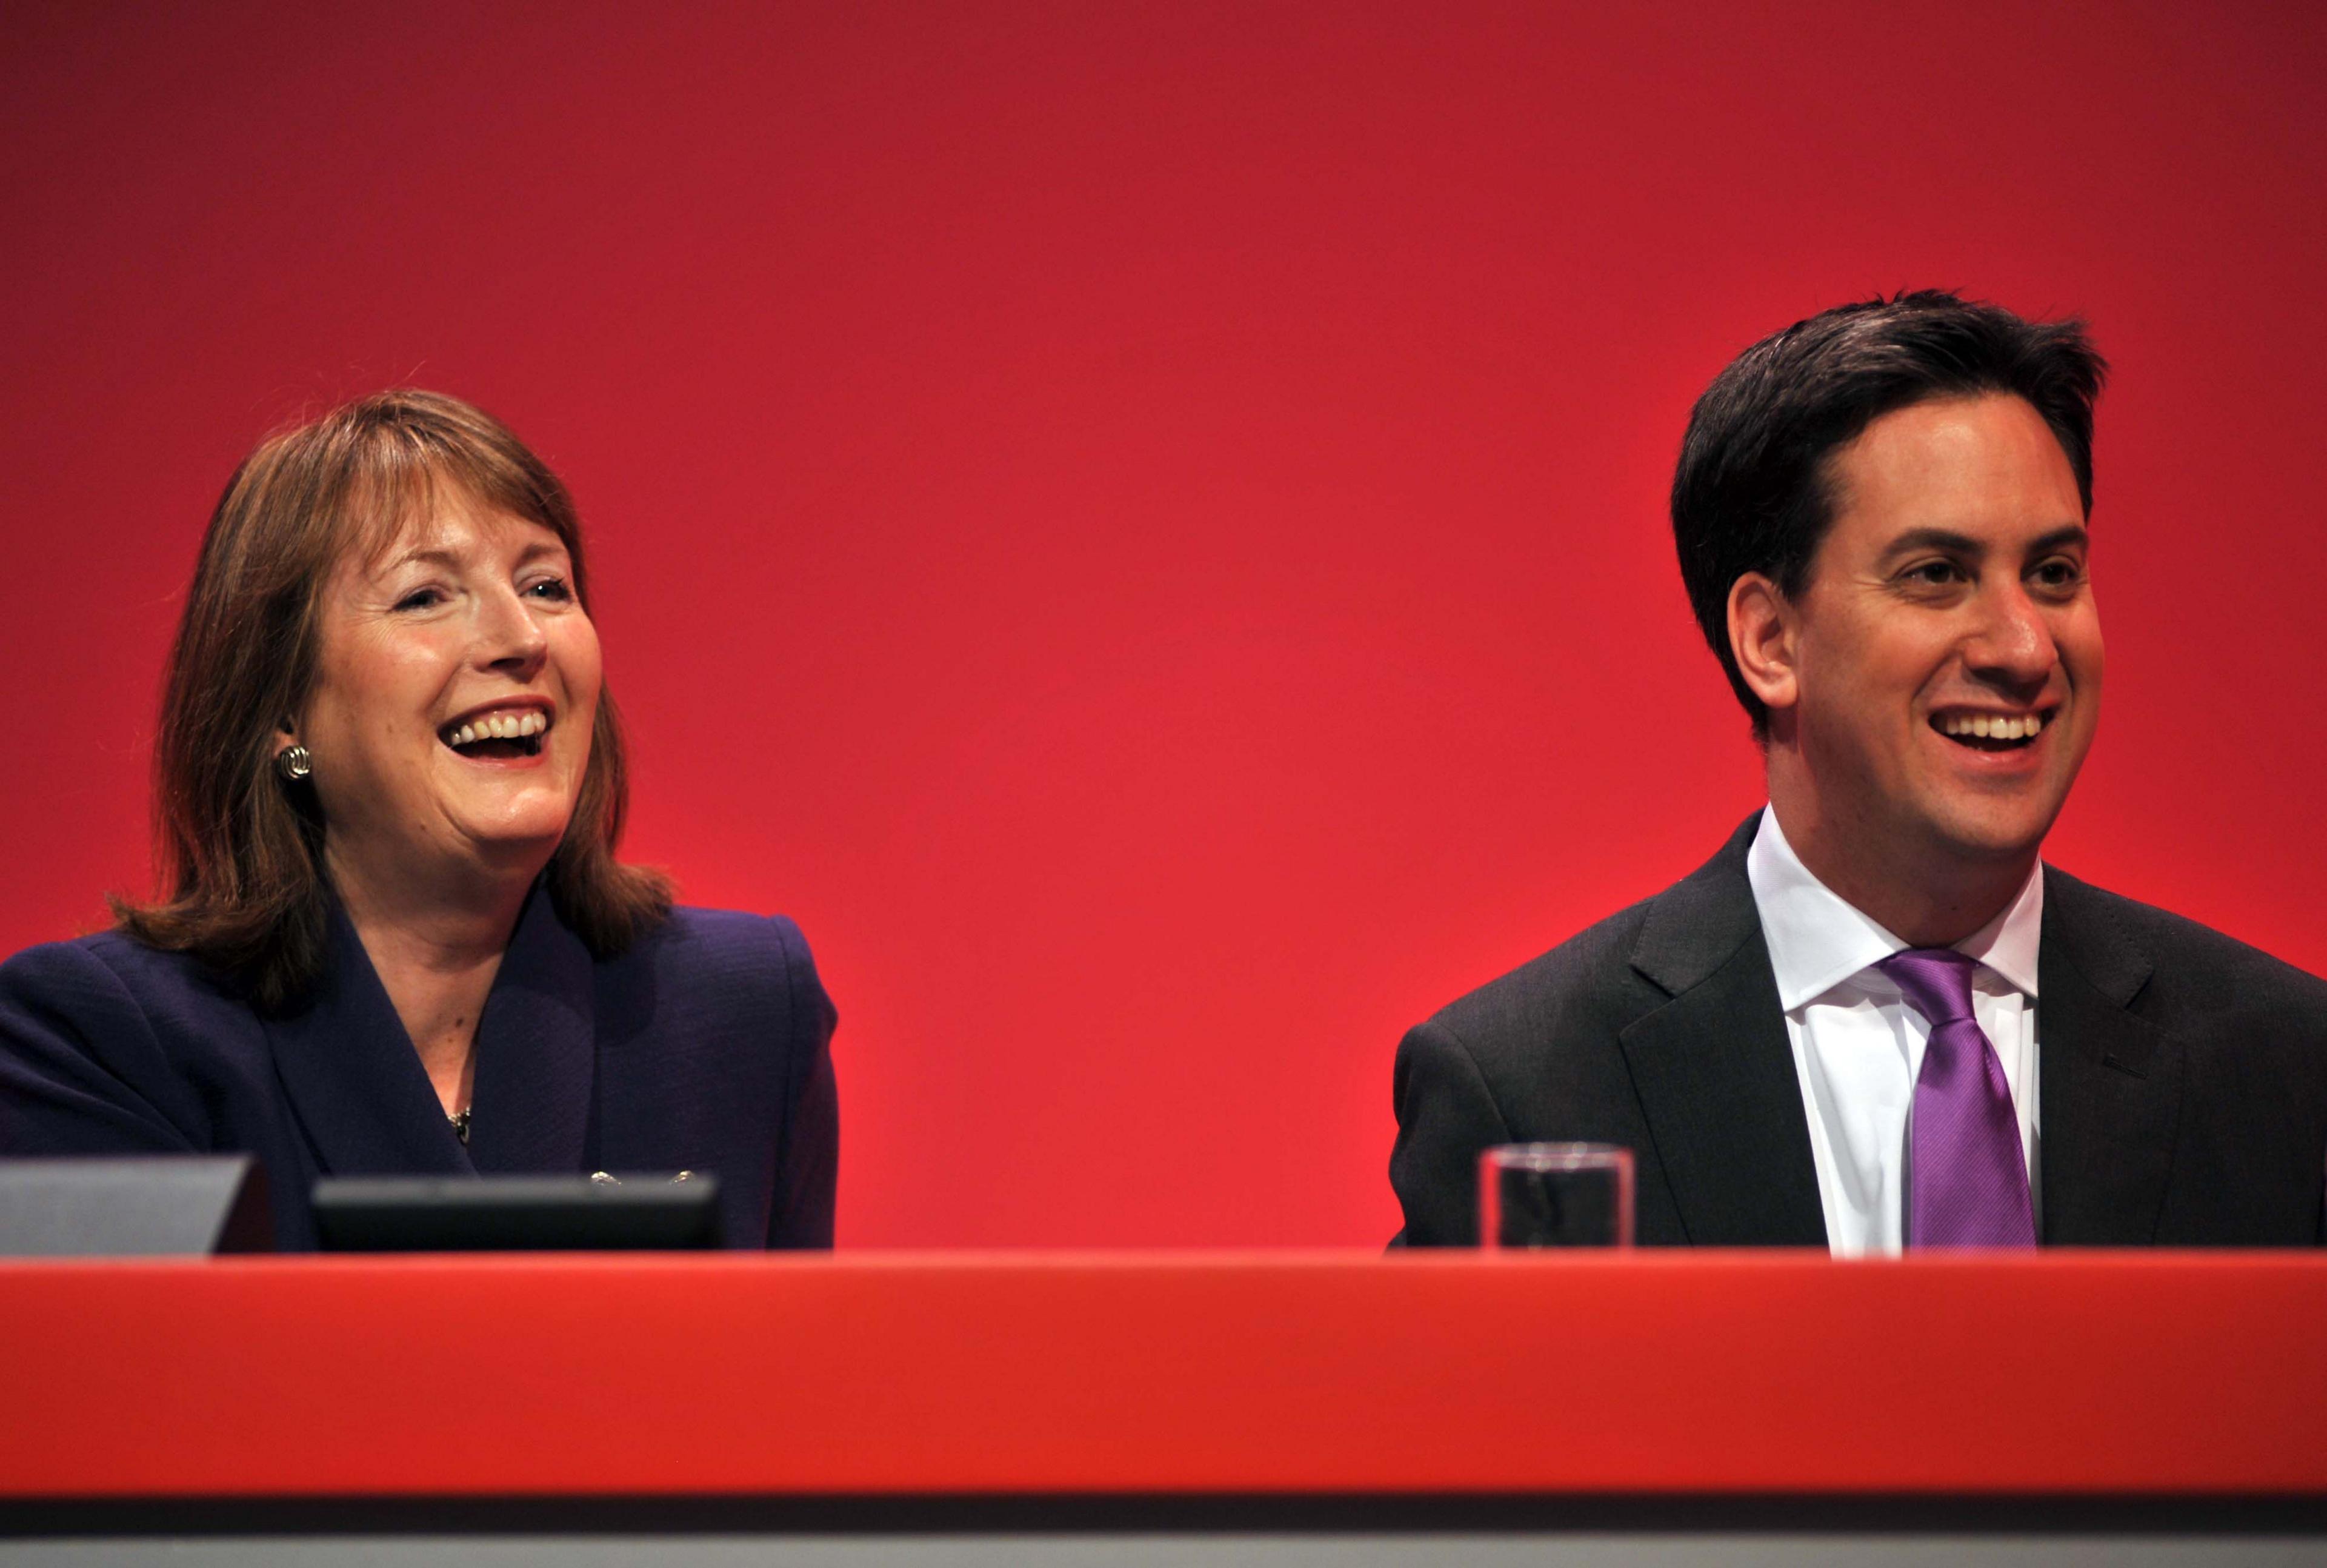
(1141, 527)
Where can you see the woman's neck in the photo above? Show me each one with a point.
(436, 957)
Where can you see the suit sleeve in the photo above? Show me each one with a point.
(1446, 1117)
(808, 1161)
(81, 1071)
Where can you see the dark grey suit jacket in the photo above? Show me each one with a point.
(2183, 1076)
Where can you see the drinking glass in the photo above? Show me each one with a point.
(1555, 1195)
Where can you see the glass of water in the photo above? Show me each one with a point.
(1555, 1195)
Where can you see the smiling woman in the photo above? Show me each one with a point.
(389, 785)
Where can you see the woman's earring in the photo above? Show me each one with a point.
(294, 764)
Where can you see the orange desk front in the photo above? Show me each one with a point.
(1275, 1373)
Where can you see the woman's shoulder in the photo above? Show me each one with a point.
(108, 1046)
(110, 971)
(718, 939)
(728, 960)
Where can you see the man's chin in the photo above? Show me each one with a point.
(1992, 837)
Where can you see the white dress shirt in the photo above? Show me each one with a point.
(1858, 1045)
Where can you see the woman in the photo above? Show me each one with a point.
(390, 784)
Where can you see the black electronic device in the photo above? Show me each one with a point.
(144, 1206)
(657, 1212)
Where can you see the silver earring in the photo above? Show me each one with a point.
(294, 764)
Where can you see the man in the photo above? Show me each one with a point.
(1874, 1022)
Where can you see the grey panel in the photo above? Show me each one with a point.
(1430, 1550)
(153, 1206)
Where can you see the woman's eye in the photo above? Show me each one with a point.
(551, 588)
(420, 599)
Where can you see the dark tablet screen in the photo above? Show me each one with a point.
(516, 1213)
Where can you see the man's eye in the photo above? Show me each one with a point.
(2060, 573)
(1935, 572)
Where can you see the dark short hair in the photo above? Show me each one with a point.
(241, 852)
(1751, 492)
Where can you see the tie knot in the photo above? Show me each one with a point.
(1936, 980)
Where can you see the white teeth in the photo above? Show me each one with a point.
(1991, 726)
(499, 727)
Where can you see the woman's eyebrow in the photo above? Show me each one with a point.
(426, 554)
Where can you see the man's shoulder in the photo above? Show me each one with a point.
(1590, 972)
(1614, 971)
(2169, 958)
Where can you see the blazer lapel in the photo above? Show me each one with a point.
(2111, 1082)
(353, 1078)
(1715, 1069)
(537, 1051)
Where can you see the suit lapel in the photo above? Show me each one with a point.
(354, 1080)
(537, 1051)
(2111, 1082)
(1714, 1068)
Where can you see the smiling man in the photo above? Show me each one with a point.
(1874, 1020)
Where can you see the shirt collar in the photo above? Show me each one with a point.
(1817, 940)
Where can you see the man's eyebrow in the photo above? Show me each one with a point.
(2065, 536)
(1934, 539)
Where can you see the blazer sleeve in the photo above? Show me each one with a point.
(81, 1068)
(807, 1159)
(1446, 1117)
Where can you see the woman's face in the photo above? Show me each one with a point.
(456, 684)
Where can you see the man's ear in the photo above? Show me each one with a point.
(1762, 639)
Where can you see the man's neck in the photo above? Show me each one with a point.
(1922, 894)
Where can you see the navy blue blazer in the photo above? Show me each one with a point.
(702, 1048)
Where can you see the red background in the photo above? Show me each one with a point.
(1141, 526)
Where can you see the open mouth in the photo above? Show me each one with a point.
(1991, 732)
(507, 735)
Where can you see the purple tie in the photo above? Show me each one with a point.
(1969, 1179)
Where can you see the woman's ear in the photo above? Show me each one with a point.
(1762, 639)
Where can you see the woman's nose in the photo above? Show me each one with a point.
(510, 636)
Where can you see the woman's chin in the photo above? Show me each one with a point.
(509, 839)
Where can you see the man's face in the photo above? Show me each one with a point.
(1947, 651)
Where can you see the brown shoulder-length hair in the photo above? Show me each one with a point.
(242, 851)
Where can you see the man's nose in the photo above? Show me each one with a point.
(2013, 644)
(510, 634)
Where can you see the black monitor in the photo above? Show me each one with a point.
(656, 1212)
